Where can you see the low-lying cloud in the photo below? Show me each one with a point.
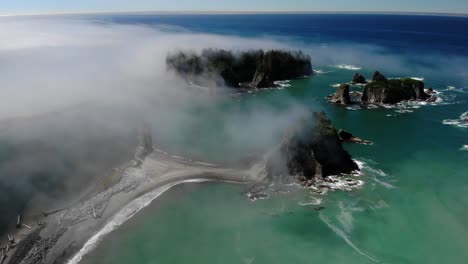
(73, 90)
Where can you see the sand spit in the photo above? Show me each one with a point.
(66, 235)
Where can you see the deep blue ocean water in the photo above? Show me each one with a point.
(438, 34)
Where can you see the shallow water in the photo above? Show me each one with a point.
(412, 208)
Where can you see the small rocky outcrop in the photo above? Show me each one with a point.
(378, 77)
(249, 69)
(392, 91)
(359, 79)
(342, 95)
(345, 136)
(311, 149)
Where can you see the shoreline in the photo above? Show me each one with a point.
(67, 235)
(130, 210)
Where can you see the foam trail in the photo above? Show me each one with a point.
(347, 67)
(124, 214)
(345, 237)
(464, 148)
(462, 122)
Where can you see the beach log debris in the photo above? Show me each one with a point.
(11, 239)
(3, 257)
(19, 222)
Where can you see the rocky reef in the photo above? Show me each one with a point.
(342, 95)
(392, 91)
(381, 90)
(310, 150)
(248, 69)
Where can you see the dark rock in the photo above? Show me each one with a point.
(358, 78)
(344, 135)
(378, 77)
(431, 99)
(250, 69)
(430, 91)
(342, 95)
(385, 91)
(311, 149)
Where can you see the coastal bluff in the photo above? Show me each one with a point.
(239, 69)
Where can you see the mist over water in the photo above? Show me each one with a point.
(75, 88)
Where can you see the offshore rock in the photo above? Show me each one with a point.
(392, 91)
(358, 78)
(248, 69)
(342, 95)
(311, 149)
(378, 77)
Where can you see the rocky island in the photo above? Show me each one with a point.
(310, 151)
(391, 91)
(381, 90)
(247, 69)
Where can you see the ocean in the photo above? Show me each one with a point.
(413, 207)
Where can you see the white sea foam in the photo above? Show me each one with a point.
(354, 107)
(124, 215)
(374, 174)
(348, 67)
(464, 148)
(344, 236)
(283, 84)
(321, 71)
(336, 85)
(417, 78)
(311, 201)
(462, 122)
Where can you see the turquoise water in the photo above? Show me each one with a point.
(412, 208)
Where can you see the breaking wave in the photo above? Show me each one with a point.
(348, 67)
(344, 236)
(125, 214)
(461, 122)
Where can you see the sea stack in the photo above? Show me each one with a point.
(359, 79)
(310, 149)
(342, 95)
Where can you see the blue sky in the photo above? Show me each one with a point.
(45, 6)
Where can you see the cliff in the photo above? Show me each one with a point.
(311, 149)
(392, 91)
(248, 69)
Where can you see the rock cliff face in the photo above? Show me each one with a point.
(311, 149)
(392, 91)
(250, 69)
(342, 95)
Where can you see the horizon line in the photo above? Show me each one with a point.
(233, 12)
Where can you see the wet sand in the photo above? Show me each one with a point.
(67, 235)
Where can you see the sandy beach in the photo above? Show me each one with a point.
(67, 235)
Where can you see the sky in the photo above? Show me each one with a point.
(76, 6)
